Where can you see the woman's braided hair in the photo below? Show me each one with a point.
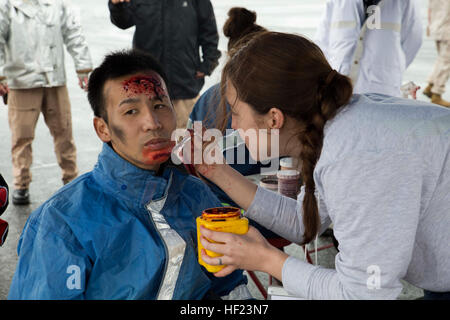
(291, 73)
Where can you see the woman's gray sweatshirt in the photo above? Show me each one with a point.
(383, 180)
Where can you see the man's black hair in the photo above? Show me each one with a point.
(115, 65)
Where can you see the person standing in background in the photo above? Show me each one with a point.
(371, 41)
(32, 38)
(439, 30)
(173, 33)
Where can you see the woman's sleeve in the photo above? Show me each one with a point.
(282, 215)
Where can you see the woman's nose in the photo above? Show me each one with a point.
(234, 123)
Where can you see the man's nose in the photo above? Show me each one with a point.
(151, 121)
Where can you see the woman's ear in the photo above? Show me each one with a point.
(275, 118)
(102, 130)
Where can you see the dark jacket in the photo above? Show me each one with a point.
(173, 32)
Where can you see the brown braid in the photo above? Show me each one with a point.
(329, 100)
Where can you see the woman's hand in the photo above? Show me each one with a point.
(203, 152)
(250, 251)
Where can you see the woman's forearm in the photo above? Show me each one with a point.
(235, 185)
(274, 261)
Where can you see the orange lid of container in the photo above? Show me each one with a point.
(221, 213)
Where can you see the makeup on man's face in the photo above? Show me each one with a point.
(137, 88)
(118, 133)
(149, 85)
(158, 156)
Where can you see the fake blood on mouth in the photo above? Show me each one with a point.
(158, 156)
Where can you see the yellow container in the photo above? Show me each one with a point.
(224, 219)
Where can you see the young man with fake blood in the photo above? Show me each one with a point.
(125, 230)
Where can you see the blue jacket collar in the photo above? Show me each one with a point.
(124, 180)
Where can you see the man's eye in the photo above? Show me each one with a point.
(131, 111)
(159, 106)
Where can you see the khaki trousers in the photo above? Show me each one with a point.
(183, 108)
(441, 70)
(24, 108)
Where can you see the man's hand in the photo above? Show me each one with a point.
(3, 89)
(83, 78)
(119, 1)
(199, 75)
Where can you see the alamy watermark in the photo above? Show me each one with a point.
(374, 18)
(74, 279)
(374, 280)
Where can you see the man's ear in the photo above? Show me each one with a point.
(275, 118)
(102, 129)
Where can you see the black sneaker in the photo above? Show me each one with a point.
(21, 196)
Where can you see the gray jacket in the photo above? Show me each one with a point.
(32, 34)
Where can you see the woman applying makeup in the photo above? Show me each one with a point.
(375, 166)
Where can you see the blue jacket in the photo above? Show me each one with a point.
(119, 232)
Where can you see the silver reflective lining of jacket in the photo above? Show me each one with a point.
(32, 39)
(174, 244)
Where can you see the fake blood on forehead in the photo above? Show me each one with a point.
(143, 84)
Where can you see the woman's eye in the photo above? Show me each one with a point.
(159, 106)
